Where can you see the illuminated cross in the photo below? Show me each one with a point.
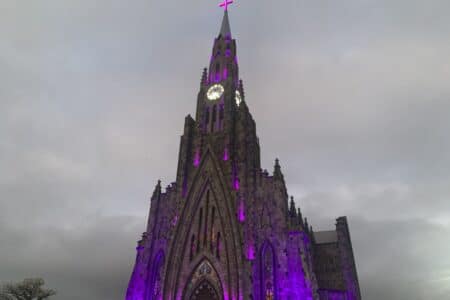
(225, 4)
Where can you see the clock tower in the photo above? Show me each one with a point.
(226, 229)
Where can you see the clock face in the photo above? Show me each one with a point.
(238, 98)
(215, 92)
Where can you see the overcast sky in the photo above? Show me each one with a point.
(352, 96)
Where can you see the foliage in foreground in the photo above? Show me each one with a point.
(28, 289)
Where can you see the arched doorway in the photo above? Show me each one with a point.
(204, 283)
(205, 291)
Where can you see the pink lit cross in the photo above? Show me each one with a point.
(225, 4)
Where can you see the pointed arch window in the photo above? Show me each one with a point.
(214, 117)
(206, 117)
(200, 219)
(217, 72)
(218, 246)
(268, 272)
(205, 229)
(213, 216)
(221, 117)
(192, 249)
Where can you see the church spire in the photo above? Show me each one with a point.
(225, 30)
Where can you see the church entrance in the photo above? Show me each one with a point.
(205, 291)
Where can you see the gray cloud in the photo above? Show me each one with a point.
(351, 96)
(91, 260)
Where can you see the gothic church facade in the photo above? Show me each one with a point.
(226, 229)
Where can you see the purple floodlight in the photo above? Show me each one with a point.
(241, 211)
(197, 159)
(236, 184)
(225, 154)
(250, 252)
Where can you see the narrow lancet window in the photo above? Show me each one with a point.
(218, 246)
(206, 118)
(221, 117)
(200, 219)
(214, 117)
(205, 231)
(213, 215)
(192, 249)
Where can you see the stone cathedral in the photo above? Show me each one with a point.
(226, 229)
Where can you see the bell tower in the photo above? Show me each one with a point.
(221, 90)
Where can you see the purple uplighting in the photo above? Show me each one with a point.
(241, 211)
(197, 159)
(209, 238)
(236, 184)
(225, 154)
(250, 252)
(225, 295)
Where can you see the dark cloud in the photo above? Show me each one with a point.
(90, 260)
(351, 96)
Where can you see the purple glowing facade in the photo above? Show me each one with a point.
(225, 229)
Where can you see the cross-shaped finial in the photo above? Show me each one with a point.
(225, 4)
